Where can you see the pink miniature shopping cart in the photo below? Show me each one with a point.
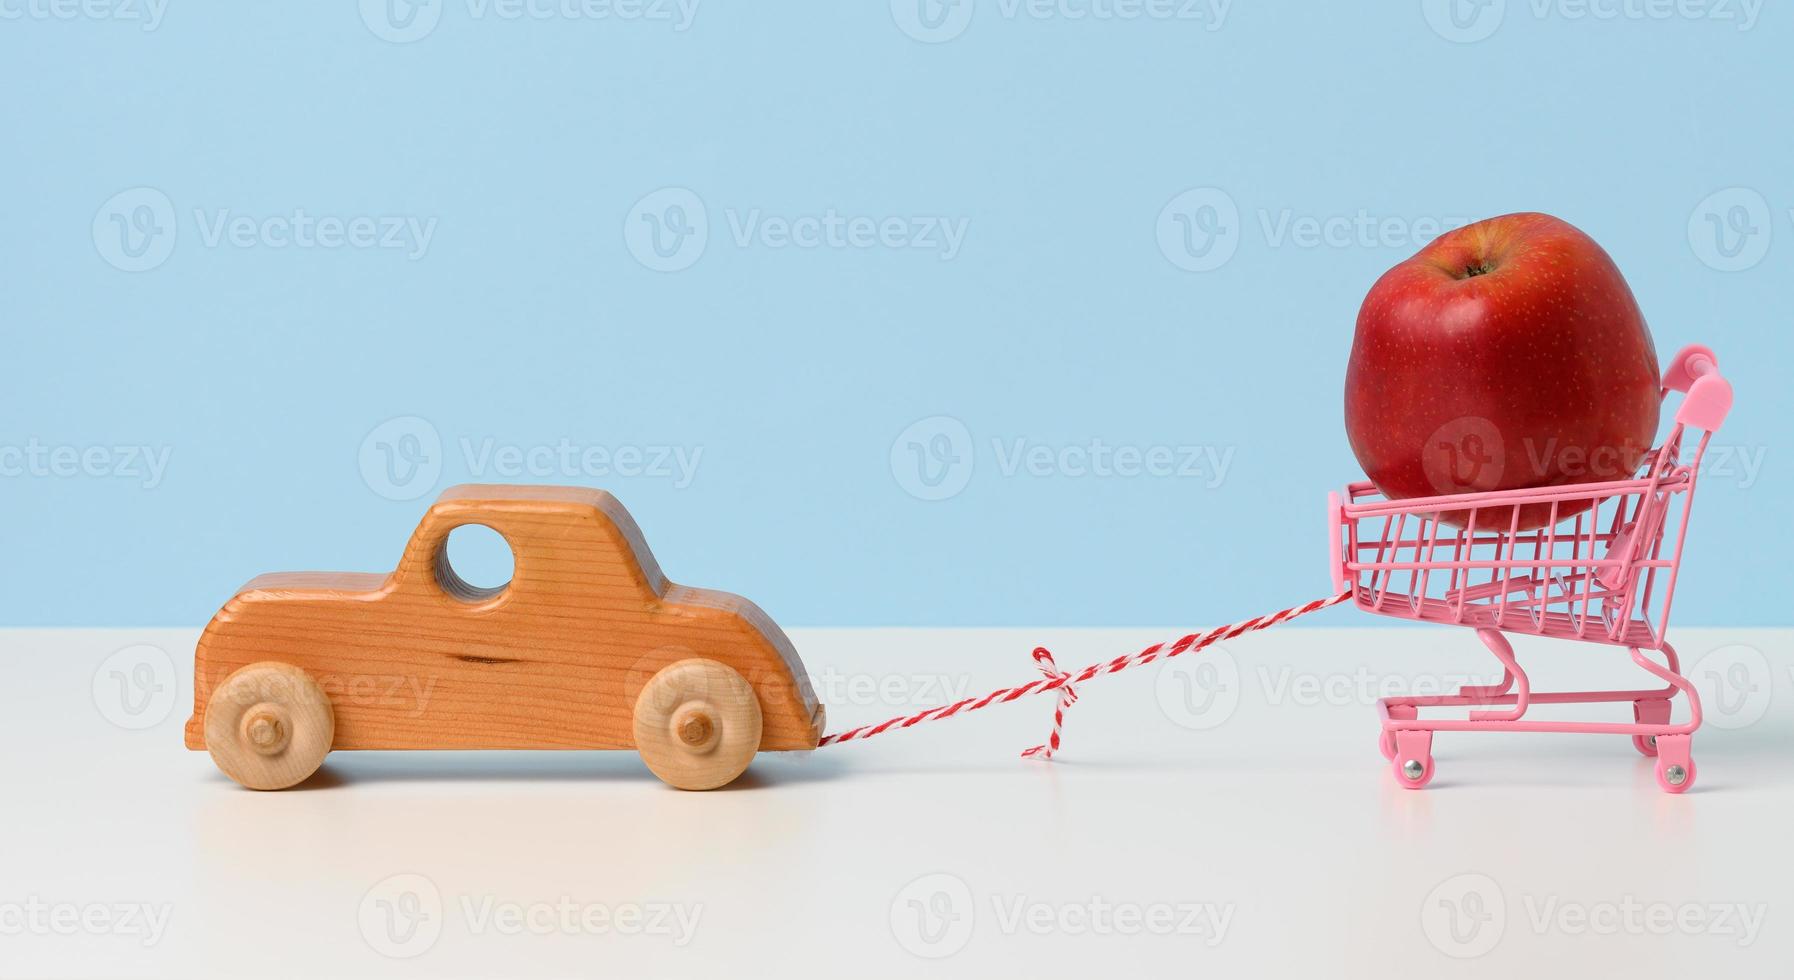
(1592, 578)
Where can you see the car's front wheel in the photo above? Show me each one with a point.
(697, 724)
(269, 725)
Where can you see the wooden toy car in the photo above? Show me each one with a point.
(587, 647)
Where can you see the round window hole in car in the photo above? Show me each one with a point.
(475, 563)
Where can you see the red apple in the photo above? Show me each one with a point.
(1505, 354)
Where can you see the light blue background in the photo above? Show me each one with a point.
(1060, 320)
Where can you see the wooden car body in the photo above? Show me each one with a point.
(418, 659)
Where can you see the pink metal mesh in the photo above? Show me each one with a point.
(1606, 574)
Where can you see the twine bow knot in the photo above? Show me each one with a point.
(1068, 696)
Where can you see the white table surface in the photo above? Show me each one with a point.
(1260, 834)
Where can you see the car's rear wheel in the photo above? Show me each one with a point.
(269, 725)
(697, 724)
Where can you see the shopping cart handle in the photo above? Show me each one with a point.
(1707, 403)
(1707, 395)
(1691, 362)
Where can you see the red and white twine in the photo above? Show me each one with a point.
(1065, 683)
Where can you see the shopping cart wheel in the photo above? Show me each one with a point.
(1675, 767)
(1412, 762)
(1654, 711)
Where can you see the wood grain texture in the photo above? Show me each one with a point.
(419, 659)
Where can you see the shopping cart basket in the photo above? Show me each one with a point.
(1605, 575)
